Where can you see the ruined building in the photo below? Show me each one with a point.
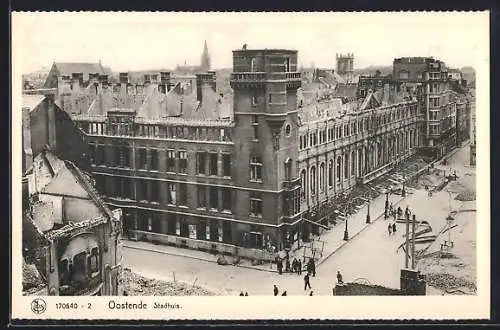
(71, 239)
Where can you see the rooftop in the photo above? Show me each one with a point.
(32, 101)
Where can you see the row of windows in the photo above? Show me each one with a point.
(176, 224)
(176, 193)
(352, 165)
(327, 135)
(148, 159)
(129, 128)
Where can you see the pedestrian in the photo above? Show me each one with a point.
(299, 267)
(276, 291)
(407, 211)
(280, 266)
(306, 282)
(400, 211)
(394, 228)
(313, 267)
(339, 277)
(311, 293)
(246, 293)
(241, 293)
(287, 265)
(389, 228)
(284, 293)
(294, 265)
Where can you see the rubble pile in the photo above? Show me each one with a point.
(466, 196)
(449, 282)
(136, 285)
(31, 276)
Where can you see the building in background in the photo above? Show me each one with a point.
(204, 66)
(473, 129)
(71, 239)
(345, 66)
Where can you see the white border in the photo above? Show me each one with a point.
(259, 307)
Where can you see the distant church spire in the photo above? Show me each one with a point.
(205, 58)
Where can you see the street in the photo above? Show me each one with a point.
(370, 257)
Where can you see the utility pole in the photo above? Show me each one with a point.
(413, 242)
(407, 241)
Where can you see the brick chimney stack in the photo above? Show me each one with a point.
(123, 82)
(77, 81)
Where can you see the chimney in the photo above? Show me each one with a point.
(165, 81)
(77, 81)
(103, 79)
(27, 151)
(204, 81)
(123, 82)
(154, 78)
(147, 79)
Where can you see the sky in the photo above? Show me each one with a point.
(141, 41)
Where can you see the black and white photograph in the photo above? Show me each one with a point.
(249, 154)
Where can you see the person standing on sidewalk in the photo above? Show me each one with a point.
(280, 266)
(394, 228)
(275, 290)
(306, 282)
(339, 277)
(299, 267)
(389, 228)
(287, 264)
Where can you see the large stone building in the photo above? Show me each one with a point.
(191, 166)
(71, 239)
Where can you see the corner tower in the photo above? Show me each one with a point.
(265, 84)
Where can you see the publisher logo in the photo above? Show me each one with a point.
(38, 306)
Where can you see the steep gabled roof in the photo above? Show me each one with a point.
(68, 68)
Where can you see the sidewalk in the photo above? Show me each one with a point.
(333, 238)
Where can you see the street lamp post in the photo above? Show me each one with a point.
(403, 192)
(368, 220)
(346, 233)
(386, 209)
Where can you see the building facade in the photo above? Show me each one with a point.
(345, 66)
(191, 168)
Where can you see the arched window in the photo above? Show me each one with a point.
(330, 173)
(312, 180)
(346, 166)
(322, 176)
(353, 163)
(303, 182)
(288, 169)
(339, 166)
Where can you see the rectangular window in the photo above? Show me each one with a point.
(255, 168)
(182, 194)
(201, 159)
(172, 194)
(170, 161)
(142, 190)
(155, 191)
(202, 196)
(214, 198)
(153, 153)
(226, 165)
(256, 205)
(226, 199)
(213, 163)
(255, 132)
(182, 161)
(143, 160)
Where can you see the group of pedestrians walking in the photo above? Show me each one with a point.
(295, 266)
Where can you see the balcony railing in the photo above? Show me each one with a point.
(291, 183)
(248, 76)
